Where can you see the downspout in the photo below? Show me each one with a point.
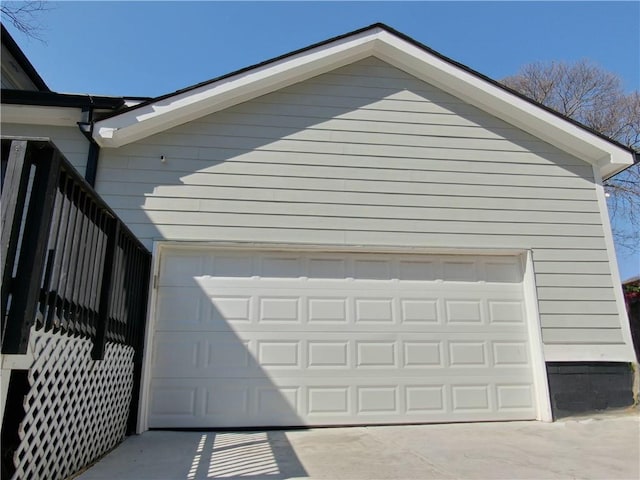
(86, 127)
(92, 163)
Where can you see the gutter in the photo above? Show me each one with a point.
(87, 103)
(54, 99)
(91, 169)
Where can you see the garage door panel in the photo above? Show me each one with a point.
(173, 400)
(232, 309)
(182, 308)
(342, 328)
(175, 353)
(293, 338)
(267, 286)
(276, 354)
(184, 264)
(220, 403)
(181, 268)
(515, 397)
(333, 401)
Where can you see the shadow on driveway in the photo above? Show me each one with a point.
(596, 447)
(201, 455)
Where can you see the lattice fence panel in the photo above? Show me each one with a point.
(76, 408)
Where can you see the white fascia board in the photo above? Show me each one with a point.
(503, 104)
(41, 115)
(181, 108)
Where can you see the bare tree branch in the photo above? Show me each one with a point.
(594, 97)
(24, 16)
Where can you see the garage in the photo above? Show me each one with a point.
(276, 338)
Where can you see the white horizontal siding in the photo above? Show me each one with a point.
(444, 213)
(69, 140)
(337, 184)
(285, 220)
(368, 155)
(208, 160)
(128, 195)
(234, 172)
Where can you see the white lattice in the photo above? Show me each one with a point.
(76, 408)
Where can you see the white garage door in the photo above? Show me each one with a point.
(275, 338)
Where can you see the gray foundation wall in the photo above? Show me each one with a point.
(582, 387)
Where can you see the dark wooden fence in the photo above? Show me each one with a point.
(69, 265)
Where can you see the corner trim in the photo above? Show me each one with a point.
(613, 262)
(142, 424)
(540, 380)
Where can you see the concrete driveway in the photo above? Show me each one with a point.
(603, 447)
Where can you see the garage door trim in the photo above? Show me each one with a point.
(540, 384)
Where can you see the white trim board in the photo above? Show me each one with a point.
(140, 122)
(142, 425)
(540, 380)
(343, 248)
(41, 115)
(587, 353)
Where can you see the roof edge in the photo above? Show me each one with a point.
(24, 62)
(397, 33)
(250, 68)
(54, 99)
(501, 85)
(160, 113)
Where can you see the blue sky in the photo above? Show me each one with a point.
(152, 48)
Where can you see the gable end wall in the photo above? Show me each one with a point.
(368, 155)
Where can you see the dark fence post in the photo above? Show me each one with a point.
(106, 290)
(25, 288)
(14, 189)
(138, 343)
